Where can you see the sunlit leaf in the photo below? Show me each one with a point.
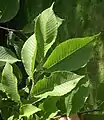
(58, 84)
(70, 55)
(28, 55)
(9, 82)
(7, 55)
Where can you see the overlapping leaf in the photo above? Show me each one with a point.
(28, 55)
(7, 55)
(58, 84)
(79, 94)
(9, 82)
(70, 55)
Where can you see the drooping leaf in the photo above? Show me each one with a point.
(7, 55)
(79, 94)
(58, 84)
(8, 9)
(28, 55)
(28, 109)
(46, 30)
(66, 56)
(9, 82)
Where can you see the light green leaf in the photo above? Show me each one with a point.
(46, 30)
(70, 55)
(79, 94)
(58, 84)
(28, 109)
(8, 9)
(28, 55)
(9, 82)
(7, 55)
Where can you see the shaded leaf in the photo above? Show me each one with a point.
(8, 10)
(79, 94)
(2, 88)
(50, 109)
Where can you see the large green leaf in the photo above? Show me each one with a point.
(46, 30)
(9, 82)
(28, 109)
(79, 94)
(58, 84)
(28, 55)
(7, 55)
(8, 9)
(70, 55)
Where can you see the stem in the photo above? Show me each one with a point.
(8, 29)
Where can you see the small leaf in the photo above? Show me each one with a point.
(28, 55)
(7, 55)
(28, 109)
(65, 54)
(58, 84)
(9, 82)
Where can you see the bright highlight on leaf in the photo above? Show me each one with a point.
(58, 84)
(28, 55)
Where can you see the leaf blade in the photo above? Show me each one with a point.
(28, 55)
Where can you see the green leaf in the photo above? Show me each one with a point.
(46, 30)
(65, 54)
(7, 55)
(50, 109)
(79, 94)
(2, 88)
(11, 118)
(8, 9)
(28, 109)
(58, 84)
(9, 82)
(28, 55)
